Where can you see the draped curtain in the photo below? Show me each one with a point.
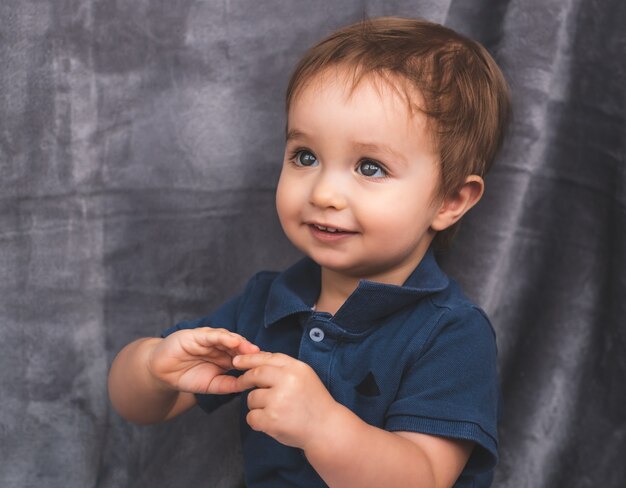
(140, 145)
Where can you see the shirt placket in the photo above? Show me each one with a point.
(317, 345)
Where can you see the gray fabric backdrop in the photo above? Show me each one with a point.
(139, 148)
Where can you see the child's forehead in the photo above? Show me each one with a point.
(378, 106)
(352, 78)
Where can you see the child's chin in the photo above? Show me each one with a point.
(345, 267)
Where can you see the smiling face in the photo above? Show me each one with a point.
(357, 191)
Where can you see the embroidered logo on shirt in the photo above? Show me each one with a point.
(368, 386)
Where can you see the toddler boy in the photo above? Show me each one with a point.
(363, 365)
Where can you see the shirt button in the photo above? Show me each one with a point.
(316, 334)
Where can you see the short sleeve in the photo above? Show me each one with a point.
(225, 317)
(451, 389)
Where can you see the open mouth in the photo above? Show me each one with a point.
(332, 230)
(329, 233)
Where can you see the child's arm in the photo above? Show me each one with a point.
(152, 380)
(291, 404)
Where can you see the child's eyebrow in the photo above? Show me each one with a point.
(295, 134)
(380, 149)
(362, 146)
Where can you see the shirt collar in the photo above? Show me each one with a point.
(295, 291)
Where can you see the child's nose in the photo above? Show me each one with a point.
(329, 191)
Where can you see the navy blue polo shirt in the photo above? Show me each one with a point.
(419, 357)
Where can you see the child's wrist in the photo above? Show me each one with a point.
(331, 433)
(148, 347)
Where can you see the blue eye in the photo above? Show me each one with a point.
(370, 168)
(305, 158)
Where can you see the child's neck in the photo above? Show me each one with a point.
(337, 287)
(335, 290)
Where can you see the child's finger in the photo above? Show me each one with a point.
(260, 377)
(223, 340)
(212, 337)
(257, 398)
(246, 347)
(223, 385)
(250, 361)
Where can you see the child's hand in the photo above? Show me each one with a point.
(290, 403)
(195, 360)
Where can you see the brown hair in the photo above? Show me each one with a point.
(465, 95)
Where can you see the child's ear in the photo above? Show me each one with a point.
(455, 205)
